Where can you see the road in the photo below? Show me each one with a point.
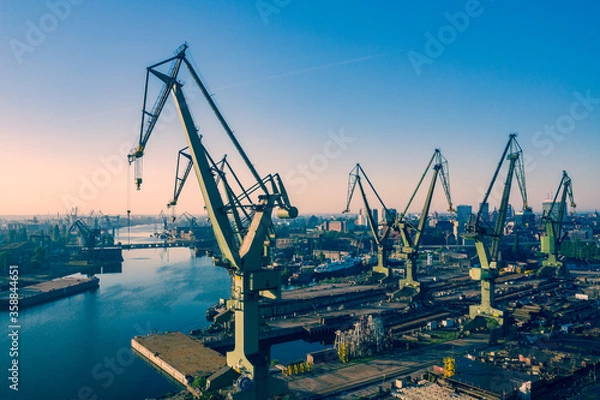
(332, 378)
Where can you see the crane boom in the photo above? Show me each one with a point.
(180, 177)
(380, 272)
(147, 125)
(224, 124)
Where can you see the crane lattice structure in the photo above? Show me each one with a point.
(240, 216)
(553, 220)
(380, 272)
(480, 230)
(365, 339)
(410, 234)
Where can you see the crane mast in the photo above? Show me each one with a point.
(409, 251)
(241, 223)
(553, 221)
(478, 230)
(181, 175)
(380, 272)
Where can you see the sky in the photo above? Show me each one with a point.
(310, 88)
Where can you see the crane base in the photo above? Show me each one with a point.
(553, 271)
(410, 293)
(275, 388)
(486, 312)
(380, 275)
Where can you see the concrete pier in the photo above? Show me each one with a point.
(51, 290)
(179, 356)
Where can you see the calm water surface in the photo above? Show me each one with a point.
(79, 347)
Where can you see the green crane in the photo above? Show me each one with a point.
(241, 221)
(381, 272)
(410, 234)
(479, 230)
(553, 220)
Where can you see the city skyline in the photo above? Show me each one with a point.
(310, 90)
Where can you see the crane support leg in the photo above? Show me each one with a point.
(411, 273)
(381, 273)
(486, 307)
(248, 357)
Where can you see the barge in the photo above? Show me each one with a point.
(50, 290)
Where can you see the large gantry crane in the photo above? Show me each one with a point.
(381, 272)
(241, 221)
(479, 230)
(553, 220)
(410, 234)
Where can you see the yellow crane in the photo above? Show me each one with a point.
(553, 220)
(381, 272)
(410, 234)
(481, 231)
(241, 220)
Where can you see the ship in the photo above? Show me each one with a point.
(343, 265)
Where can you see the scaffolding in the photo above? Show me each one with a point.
(366, 338)
(449, 367)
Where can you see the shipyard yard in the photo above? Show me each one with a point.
(418, 339)
(285, 200)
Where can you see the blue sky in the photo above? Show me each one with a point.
(310, 89)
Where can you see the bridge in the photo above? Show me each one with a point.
(155, 245)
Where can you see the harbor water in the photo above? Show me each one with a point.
(78, 348)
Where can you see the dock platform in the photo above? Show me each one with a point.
(51, 290)
(179, 356)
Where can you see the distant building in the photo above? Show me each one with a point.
(388, 217)
(351, 225)
(510, 212)
(337, 226)
(548, 205)
(362, 218)
(524, 218)
(312, 222)
(364, 221)
(463, 213)
(581, 234)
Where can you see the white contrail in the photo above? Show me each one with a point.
(253, 81)
(101, 113)
(301, 71)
